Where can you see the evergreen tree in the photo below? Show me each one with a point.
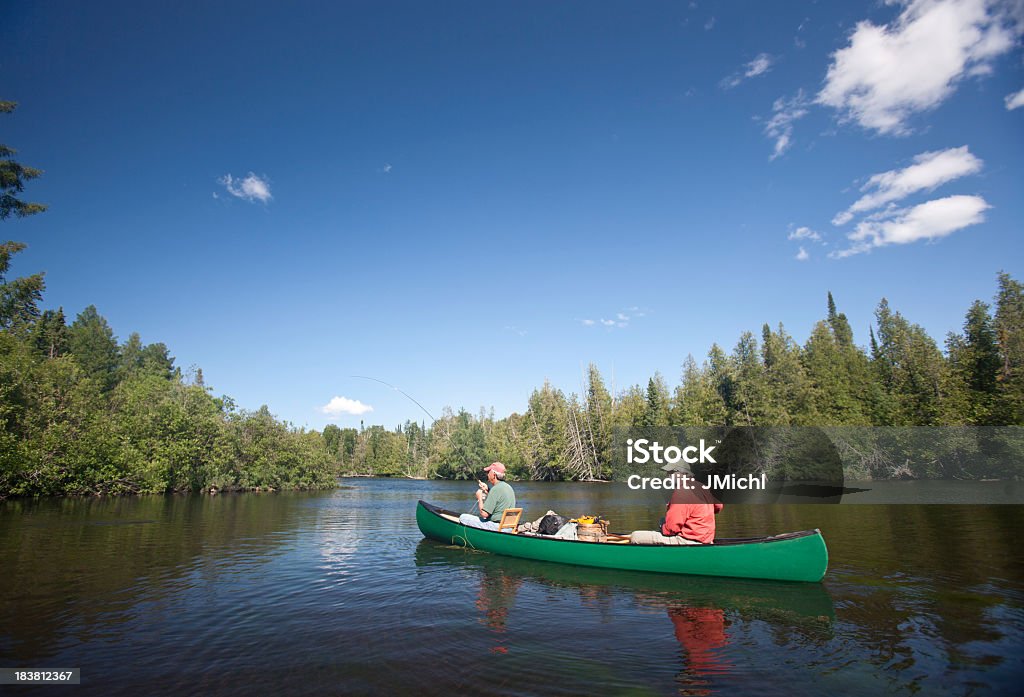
(13, 177)
(50, 334)
(789, 392)
(750, 394)
(911, 366)
(722, 378)
(697, 402)
(546, 432)
(1009, 327)
(19, 298)
(974, 367)
(94, 347)
(655, 413)
(598, 416)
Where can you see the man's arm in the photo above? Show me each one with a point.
(484, 515)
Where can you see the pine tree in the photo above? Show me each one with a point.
(696, 401)
(598, 416)
(911, 366)
(95, 349)
(19, 298)
(1009, 328)
(13, 177)
(50, 334)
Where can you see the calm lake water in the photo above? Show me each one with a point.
(337, 593)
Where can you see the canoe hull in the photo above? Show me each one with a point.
(793, 557)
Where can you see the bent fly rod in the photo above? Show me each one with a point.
(407, 396)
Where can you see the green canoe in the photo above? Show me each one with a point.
(794, 556)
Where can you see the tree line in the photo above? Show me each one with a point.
(902, 378)
(81, 413)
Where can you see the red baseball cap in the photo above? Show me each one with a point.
(495, 467)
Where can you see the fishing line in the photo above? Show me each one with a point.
(407, 396)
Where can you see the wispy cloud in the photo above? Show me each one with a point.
(710, 24)
(890, 72)
(620, 321)
(929, 171)
(804, 233)
(927, 221)
(1014, 101)
(248, 188)
(797, 41)
(780, 126)
(386, 169)
(516, 330)
(759, 66)
(339, 406)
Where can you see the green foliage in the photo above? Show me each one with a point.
(81, 415)
(93, 345)
(1009, 327)
(19, 298)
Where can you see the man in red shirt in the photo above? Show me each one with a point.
(690, 514)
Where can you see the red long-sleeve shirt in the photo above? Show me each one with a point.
(691, 514)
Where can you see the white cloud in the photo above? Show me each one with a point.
(780, 126)
(927, 221)
(759, 66)
(621, 319)
(249, 188)
(710, 24)
(888, 73)
(802, 255)
(804, 233)
(930, 170)
(1015, 100)
(343, 405)
(386, 169)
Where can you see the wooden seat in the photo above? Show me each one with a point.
(510, 520)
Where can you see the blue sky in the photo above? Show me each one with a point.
(463, 199)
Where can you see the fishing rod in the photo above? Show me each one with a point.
(407, 396)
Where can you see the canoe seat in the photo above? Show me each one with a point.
(510, 520)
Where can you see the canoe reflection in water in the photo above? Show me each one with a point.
(705, 613)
